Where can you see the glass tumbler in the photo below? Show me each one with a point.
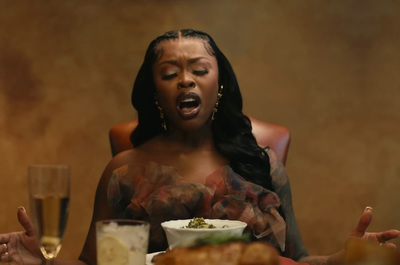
(122, 242)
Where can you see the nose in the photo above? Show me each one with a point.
(186, 81)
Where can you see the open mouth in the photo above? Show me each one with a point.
(188, 105)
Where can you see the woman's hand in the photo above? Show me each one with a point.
(358, 236)
(378, 237)
(21, 247)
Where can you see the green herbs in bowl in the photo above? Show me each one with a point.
(184, 232)
(199, 222)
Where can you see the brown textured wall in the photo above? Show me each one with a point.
(328, 70)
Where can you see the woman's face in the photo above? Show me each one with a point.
(186, 80)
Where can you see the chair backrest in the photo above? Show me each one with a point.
(277, 137)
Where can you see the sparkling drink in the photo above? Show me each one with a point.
(122, 242)
(49, 203)
(51, 217)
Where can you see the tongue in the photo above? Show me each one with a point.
(188, 109)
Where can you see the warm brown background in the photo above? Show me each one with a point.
(328, 70)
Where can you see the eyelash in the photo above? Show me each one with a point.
(202, 72)
(168, 77)
(171, 76)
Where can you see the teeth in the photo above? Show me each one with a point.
(188, 100)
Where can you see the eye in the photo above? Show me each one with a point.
(200, 72)
(168, 77)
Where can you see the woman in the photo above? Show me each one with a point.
(194, 155)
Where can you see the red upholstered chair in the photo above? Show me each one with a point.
(277, 137)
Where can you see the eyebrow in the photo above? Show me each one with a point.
(176, 62)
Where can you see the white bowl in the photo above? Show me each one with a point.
(177, 233)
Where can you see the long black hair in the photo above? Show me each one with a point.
(231, 129)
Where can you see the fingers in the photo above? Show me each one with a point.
(363, 223)
(3, 248)
(387, 235)
(388, 245)
(4, 238)
(5, 257)
(24, 220)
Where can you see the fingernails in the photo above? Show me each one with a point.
(368, 208)
(22, 208)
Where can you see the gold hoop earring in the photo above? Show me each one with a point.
(163, 123)
(215, 110)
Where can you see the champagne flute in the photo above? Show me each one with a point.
(49, 202)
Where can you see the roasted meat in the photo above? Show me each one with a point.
(234, 253)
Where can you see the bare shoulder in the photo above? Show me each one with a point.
(123, 158)
(149, 151)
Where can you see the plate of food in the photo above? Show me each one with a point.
(215, 249)
(150, 256)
